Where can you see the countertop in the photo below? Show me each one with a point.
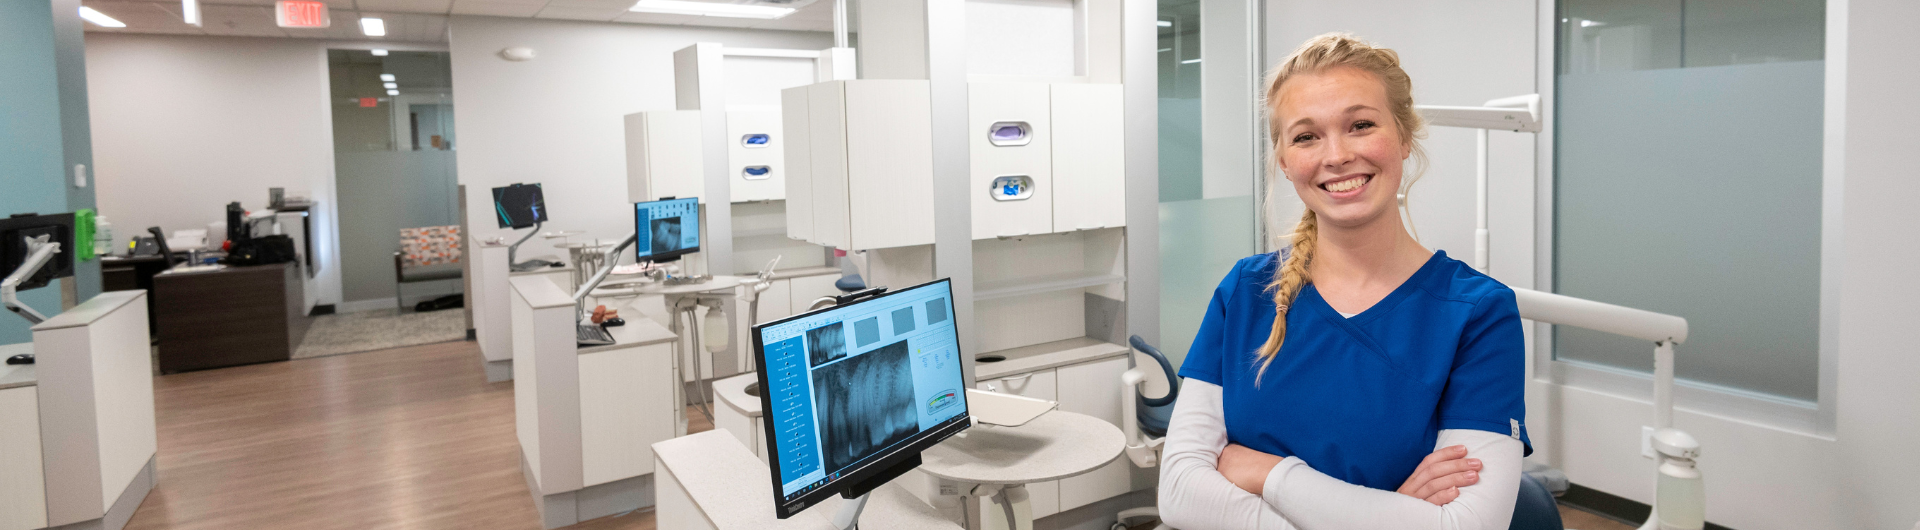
(639, 331)
(17, 375)
(734, 489)
(1043, 356)
(1056, 445)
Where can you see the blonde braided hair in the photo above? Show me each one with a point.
(1317, 55)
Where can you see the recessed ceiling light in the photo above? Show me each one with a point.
(100, 19)
(379, 53)
(373, 27)
(1190, 61)
(1591, 23)
(1164, 23)
(190, 12)
(392, 85)
(681, 7)
(386, 77)
(393, 92)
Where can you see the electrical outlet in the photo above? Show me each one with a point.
(1646, 441)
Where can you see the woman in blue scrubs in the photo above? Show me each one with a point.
(1354, 379)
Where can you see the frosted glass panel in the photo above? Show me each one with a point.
(1688, 181)
(1199, 241)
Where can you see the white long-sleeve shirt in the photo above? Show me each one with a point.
(1195, 496)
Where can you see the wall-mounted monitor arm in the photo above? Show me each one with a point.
(41, 251)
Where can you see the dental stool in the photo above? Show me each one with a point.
(1145, 420)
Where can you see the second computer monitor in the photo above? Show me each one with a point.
(666, 229)
(519, 205)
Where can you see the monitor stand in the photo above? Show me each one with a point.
(848, 518)
(40, 252)
(512, 251)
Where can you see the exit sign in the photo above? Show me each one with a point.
(301, 14)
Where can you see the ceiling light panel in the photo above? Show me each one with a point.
(386, 77)
(99, 19)
(683, 7)
(373, 27)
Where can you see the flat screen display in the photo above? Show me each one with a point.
(857, 388)
(519, 205)
(666, 228)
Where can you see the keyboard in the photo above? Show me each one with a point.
(592, 335)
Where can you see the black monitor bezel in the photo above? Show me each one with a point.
(62, 263)
(540, 197)
(671, 255)
(872, 465)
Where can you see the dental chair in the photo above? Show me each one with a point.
(1145, 421)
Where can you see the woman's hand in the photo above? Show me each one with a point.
(1245, 467)
(1438, 479)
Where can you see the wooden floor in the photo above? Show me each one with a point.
(405, 438)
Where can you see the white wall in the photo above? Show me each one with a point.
(184, 125)
(556, 119)
(1758, 478)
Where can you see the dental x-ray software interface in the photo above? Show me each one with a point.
(667, 228)
(851, 385)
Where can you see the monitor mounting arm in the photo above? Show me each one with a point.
(40, 251)
(606, 267)
(513, 262)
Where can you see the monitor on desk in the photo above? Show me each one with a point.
(519, 206)
(14, 250)
(854, 393)
(666, 229)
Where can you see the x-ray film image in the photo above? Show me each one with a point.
(865, 404)
(666, 234)
(827, 343)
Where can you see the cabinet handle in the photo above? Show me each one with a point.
(1023, 379)
(1094, 227)
(1011, 236)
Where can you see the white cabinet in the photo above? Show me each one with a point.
(755, 164)
(663, 155)
(1093, 389)
(620, 416)
(1009, 131)
(798, 158)
(1043, 497)
(1089, 161)
(23, 492)
(870, 163)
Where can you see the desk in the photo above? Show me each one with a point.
(229, 317)
(1000, 461)
(132, 273)
(710, 481)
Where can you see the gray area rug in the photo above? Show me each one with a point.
(378, 330)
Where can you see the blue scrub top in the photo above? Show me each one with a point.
(1363, 399)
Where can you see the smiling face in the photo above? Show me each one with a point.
(1340, 146)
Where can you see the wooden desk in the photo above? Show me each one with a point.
(133, 273)
(229, 317)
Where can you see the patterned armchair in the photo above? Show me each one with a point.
(426, 254)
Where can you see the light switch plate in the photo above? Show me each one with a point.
(1646, 441)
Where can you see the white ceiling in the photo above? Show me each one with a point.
(420, 20)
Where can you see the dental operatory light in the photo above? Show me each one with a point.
(100, 19)
(373, 27)
(386, 77)
(379, 53)
(684, 7)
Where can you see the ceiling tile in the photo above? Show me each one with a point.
(581, 13)
(496, 9)
(407, 6)
(241, 21)
(616, 4)
(656, 18)
(789, 24)
(726, 22)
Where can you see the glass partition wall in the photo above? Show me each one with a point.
(1210, 158)
(1687, 180)
(394, 144)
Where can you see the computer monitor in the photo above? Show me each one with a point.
(854, 393)
(666, 228)
(14, 232)
(519, 206)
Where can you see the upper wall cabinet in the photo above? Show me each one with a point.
(869, 157)
(1045, 158)
(1010, 155)
(663, 155)
(755, 163)
(1088, 162)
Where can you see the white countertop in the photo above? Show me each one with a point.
(639, 331)
(1054, 446)
(17, 375)
(1043, 356)
(735, 490)
(93, 309)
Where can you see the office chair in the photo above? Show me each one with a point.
(160, 240)
(1145, 420)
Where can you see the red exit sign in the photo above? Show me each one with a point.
(301, 14)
